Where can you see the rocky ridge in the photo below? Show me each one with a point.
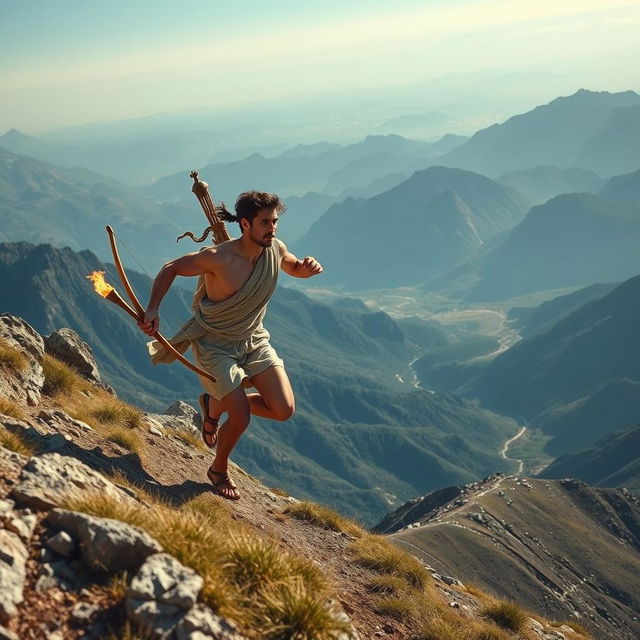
(54, 561)
(567, 549)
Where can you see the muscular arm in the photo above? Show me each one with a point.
(295, 267)
(192, 264)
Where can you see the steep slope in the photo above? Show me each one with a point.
(544, 182)
(613, 149)
(625, 188)
(538, 319)
(422, 227)
(562, 546)
(572, 240)
(555, 133)
(614, 461)
(360, 440)
(579, 379)
(98, 529)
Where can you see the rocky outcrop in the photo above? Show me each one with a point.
(105, 544)
(48, 480)
(180, 416)
(25, 384)
(13, 559)
(161, 594)
(67, 346)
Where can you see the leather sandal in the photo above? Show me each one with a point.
(209, 435)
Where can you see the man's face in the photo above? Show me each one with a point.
(263, 227)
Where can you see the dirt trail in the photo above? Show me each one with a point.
(505, 449)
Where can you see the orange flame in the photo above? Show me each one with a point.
(102, 288)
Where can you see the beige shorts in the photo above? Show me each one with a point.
(233, 363)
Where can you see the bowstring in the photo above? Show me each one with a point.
(124, 244)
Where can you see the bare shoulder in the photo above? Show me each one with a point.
(282, 247)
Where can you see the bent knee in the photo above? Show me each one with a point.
(284, 412)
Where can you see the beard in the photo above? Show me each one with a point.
(263, 241)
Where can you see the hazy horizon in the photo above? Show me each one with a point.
(78, 62)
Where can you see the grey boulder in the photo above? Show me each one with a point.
(105, 544)
(13, 559)
(160, 594)
(47, 481)
(200, 623)
(67, 346)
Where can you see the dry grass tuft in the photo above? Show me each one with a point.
(112, 411)
(475, 590)
(127, 439)
(252, 562)
(12, 357)
(380, 555)
(192, 439)
(11, 408)
(16, 442)
(398, 608)
(127, 632)
(60, 378)
(324, 517)
(99, 409)
(118, 586)
(439, 627)
(388, 585)
(247, 578)
(290, 609)
(485, 631)
(508, 615)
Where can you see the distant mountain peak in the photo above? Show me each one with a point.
(13, 135)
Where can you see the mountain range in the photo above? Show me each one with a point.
(360, 440)
(587, 129)
(44, 203)
(544, 182)
(424, 226)
(571, 240)
(294, 172)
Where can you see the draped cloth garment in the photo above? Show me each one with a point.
(227, 337)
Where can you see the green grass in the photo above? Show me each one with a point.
(324, 517)
(12, 357)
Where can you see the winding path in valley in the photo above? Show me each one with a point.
(505, 449)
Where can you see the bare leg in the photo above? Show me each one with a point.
(237, 407)
(274, 399)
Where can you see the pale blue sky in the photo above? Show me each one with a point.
(71, 61)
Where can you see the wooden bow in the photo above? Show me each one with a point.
(140, 310)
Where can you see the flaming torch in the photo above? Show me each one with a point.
(107, 291)
(104, 289)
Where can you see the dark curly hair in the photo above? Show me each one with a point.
(249, 203)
